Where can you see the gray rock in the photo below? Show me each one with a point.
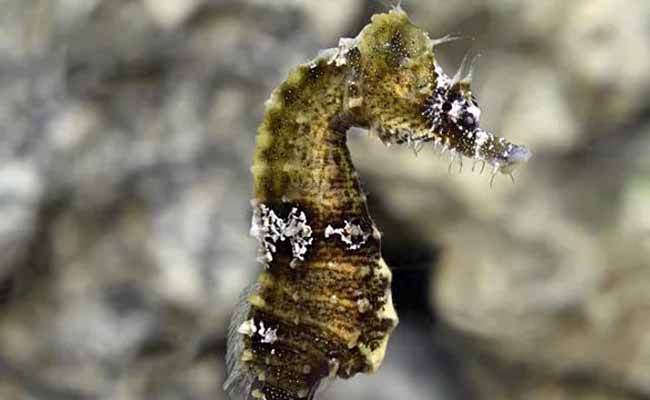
(126, 134)
(21, 189)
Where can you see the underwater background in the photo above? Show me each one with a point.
(127, 129)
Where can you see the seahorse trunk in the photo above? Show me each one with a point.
(329, 308)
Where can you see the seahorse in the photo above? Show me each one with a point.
(322, 305)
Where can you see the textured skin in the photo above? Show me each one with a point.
(331, 312)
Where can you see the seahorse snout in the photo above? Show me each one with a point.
(515, 156)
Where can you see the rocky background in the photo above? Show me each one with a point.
(126, 134)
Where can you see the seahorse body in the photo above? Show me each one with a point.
(322, 306)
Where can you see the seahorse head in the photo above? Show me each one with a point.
(408, 97)
(454, 113)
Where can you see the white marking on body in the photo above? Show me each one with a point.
(482, 137)
(475, 111)
(268, 228)
(267, 334)
(350, 234)
(442, 80)
(247, 327)
(457, 108)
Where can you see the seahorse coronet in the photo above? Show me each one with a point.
(322, 305)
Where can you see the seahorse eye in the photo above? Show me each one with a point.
(446, 106)
(469, 121)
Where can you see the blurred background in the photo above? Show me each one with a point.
(126, 134)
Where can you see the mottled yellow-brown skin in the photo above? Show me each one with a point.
(332, 312)
(383, 84)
